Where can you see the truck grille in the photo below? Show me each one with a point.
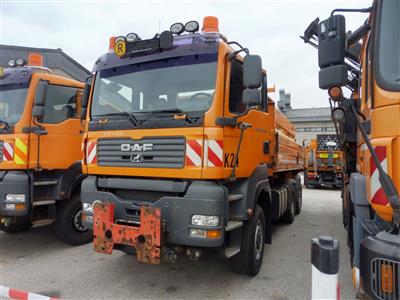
(145, 153)
(392, 281)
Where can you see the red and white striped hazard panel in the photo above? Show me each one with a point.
(8, 151)
(213, 153)
(91, 153)
(378, 195)
(194, 149)
(212, 156)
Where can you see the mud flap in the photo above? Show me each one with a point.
(146, 238)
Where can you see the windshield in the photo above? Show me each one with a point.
(184, 84)
(389, 44)
(12, 101)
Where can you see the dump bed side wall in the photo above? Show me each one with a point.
(288, 154)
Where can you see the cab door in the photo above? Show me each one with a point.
(257, 139)
(56, 143)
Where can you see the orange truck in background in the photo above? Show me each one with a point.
(323, 162)
(185, 151)
(367, 63)
(40, 144)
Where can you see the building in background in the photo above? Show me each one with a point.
(55, 59)
(308, 121)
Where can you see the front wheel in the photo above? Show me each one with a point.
(249, 260)
(19, 225)
(69, 227)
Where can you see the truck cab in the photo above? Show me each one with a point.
(323, 162)
(367, 63)
(40, 142)
(181, 149)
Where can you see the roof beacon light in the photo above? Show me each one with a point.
(111, 43)
(11, 63)
(192, 26)
(132, 37)
(35, 59)
(210, 24)
(20, 62)
(177, 28)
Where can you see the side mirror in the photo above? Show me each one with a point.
(38, 111)
(41, 91)
(332, 51)
(86, 92)
(251, 97)
(252, 71)
(85, 96)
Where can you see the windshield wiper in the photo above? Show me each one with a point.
(170, 110)
(131, 117)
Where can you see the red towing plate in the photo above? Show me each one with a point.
(146, 238)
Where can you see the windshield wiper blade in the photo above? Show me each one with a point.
(131, 117)
(171, 110)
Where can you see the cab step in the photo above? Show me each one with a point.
(373, 228)
(45, 182)
(231, 251)
(234, 197)
(233, 225)
(43, 202)
(42, 222)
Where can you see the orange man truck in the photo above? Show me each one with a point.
(185, 151)
(367, 62)
(323, 162)
(40, 144)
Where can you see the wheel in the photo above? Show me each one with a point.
(68, 224)
(19, 225)
(249, 260)
(290, 214)
(299, 194)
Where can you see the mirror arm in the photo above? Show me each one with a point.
(360, 10)
(233, 55)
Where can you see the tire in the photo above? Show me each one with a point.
(68, 224)
(19, 225)
(299, 202)
(290, 214)
(249, 260)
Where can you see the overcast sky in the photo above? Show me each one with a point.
(268, 28)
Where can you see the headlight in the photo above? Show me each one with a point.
(15, 198)
(201, 220)
(192, 26)
(87, 208)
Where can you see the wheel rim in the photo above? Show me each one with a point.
(258, 239)
(77, 222)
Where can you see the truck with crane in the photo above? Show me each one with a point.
(367, 118)
(323, 162)
(185, 151)
(40, 150)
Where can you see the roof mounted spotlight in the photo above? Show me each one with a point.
(11, 63)
(177, 28)
(20, 62)
(192, 26)
(132, 37)
(119, 39)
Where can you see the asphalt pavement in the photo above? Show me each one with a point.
(36, 261)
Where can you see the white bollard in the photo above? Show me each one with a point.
(325, 268)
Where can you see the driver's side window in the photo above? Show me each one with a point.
(236, 104)
(60, 104)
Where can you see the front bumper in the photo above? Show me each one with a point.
(14, 182)
(197, 198)
(380, 266)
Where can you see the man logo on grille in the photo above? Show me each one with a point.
(136, 158)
